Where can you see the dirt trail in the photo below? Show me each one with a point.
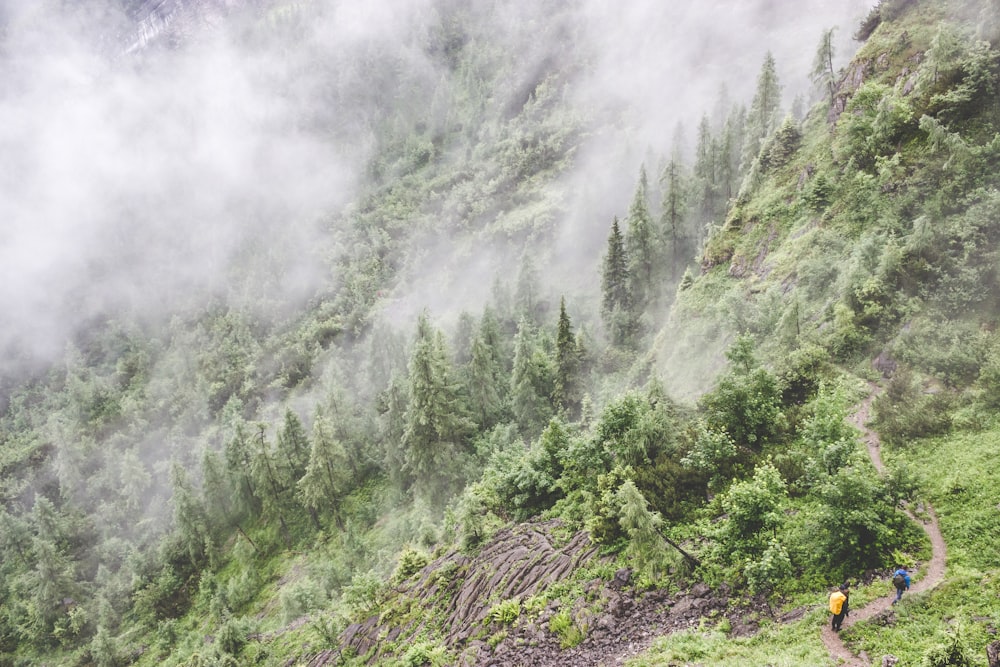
(933, 570)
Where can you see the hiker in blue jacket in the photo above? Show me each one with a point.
(901, 580)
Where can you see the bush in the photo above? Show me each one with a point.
(952, 650)
(570, 634)
(904, 413)
(424, 654)
(299, 598)
(233, 635)
(410, 562)
(504, 612)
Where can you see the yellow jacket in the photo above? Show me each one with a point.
(837, 601)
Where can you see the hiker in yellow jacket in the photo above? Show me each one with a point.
(839, 606)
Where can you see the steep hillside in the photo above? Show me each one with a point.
(403, 336)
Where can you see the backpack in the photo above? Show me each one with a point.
(899, 581)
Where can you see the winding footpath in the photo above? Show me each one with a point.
(933, 570)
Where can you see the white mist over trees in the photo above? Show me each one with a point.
(137, 180)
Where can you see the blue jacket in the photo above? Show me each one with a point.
(906, 576)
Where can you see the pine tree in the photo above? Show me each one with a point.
(239, 468)
(325, 482)
(190, 519)
(822, 73)
(642, 527)
(675, 207)
(271, 478)
(293, 446)
(765, 111)
(526, 299)
(532, 382)
(616, 302)
(640, 246)
(486, 379)
(567, 385)
(437, 425)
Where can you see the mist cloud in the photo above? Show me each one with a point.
(133, 175)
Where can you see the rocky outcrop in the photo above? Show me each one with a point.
(173, 22)
(612, 618)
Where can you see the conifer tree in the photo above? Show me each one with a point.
(765, 110)
(526, 297)
(271, 478)
(706, 173)
(190, 519)
(822, 73)
(532, 382)
(567, 385)
(616, 302)
(675, 207)
(640, 246)
(327, 476)
(437, 422)
(486, 379)
(391, 406)
(215, 491)
(293, 446)
(240, 470)
(643, 530)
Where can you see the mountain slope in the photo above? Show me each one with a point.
(360, 379)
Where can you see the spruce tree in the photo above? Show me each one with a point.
(240, 470)
(640, 246)
(325, 481)
(822, 73)
(675, 207)
(486, 378)
(567, 385)
(437, 422)
(765, 111)
(293, 446)
(616, 302)
(532, 382)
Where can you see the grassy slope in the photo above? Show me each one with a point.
(795, 298)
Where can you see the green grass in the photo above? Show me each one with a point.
(961, 480)
(790, 645)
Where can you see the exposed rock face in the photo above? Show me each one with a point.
(172, 22)
(614, 619)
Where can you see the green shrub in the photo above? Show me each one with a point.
(504, 612)
(424, 654)
(299, 598)
(410, 562)
(570, 634)
(951, 650)
(233, 635)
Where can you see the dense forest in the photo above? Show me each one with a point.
(281, 390)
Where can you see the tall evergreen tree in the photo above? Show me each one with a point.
(675, 210)
(567, 385)
(822, 73)
(526, 296)
(437, 422)
(640, 246)
(293, 447)
(532, 382)
(325, 482)
(616, 301)
(240, 470)
(486, 378)
(190, 519)
(706, 170)
(765, 111)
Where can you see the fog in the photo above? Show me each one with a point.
(144, 153)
